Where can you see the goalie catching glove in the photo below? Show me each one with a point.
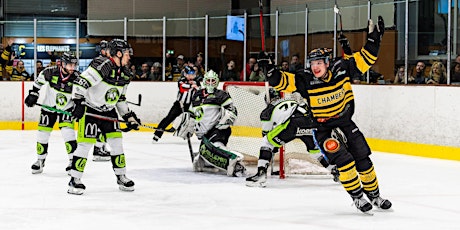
(186, 126)
(228, 118)
(132, 122)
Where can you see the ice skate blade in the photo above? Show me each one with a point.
(101, 158)
(126, 189)
(37, 171)
(256, 184)
(75, 191)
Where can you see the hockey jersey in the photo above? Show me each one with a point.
(208, 109)
(103, 85)
(59, 91)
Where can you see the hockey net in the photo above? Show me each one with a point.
(292, 160)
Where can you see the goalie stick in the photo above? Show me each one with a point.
(101, 117)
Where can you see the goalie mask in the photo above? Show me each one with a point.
(210, 81)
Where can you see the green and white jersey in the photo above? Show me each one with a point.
(59, 91)
(103, 85)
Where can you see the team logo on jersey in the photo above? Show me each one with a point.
(112, 95)
(61, 100)
(199, 114)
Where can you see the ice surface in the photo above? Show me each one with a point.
(169, 195)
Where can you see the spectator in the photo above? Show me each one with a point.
(168, 67)
(6, 54)
(437, 74)
(399, 77)
(38, 68)
(295, 64)
(285, 66)
(249, 65)
(133, 69)
(19, 72)
(177, 69)
(143, 75)
(155, 72)
(455, 73)
(256, 73)
(229, 73)
(419, 76)
(199, 64)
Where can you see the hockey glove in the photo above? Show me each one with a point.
(132, 121)
(79, 109)
(345, 44)
(32, 98)
(376, 32)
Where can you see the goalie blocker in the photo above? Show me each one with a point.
(213, 156)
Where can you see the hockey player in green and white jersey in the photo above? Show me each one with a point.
(100, 90)
(57, 95)
(214, 113)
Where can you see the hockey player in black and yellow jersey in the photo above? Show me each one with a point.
(326, 85)
(5, 56)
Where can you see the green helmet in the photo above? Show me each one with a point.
(210, 81)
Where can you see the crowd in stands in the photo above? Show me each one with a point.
(430, 72)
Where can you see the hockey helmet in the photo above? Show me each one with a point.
(189, 70)
(121, 45)
(210, 81)
(103, 44)
(69, 58)
(320, 53)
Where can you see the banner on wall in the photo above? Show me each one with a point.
(26, 51)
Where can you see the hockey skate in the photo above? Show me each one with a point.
(381, 203)
(362, 204)
(37, 167)
(75, 186)
(260, 179)
(239, 170)
(124, 183)
(101, 154)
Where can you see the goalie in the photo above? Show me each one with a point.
(213, 113)
(284, 120)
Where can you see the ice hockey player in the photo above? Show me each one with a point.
(182, 103)
(100, 151)
(213, 113)
(57, 95)
(101, 90)
(327, 87)
(284, 120)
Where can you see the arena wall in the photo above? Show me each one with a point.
(414, 120)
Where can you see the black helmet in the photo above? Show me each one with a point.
(103, 44)
(189, 70)
(320, 53)
(68, 57)
(121, 45)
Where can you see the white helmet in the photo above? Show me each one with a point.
(210, 81)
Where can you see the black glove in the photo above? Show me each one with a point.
(132, 121)
(375, 32)
(79, 109)
(32, 98)
(344, 43)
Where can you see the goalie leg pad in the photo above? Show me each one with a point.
(227, 160)
(186, 126)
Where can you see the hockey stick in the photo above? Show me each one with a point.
(139, 99)
(190, 148)
(101, 117)
(337, 11)
(261, 23)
